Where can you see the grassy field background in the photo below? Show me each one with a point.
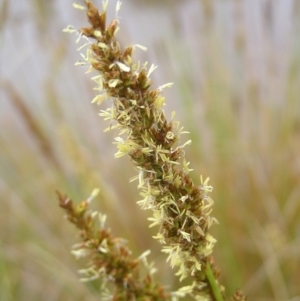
(235, 66)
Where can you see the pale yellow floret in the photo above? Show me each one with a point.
(173, 114)
(208, 248)
(128, 61)
(80, 63)
(112, 127)
(108, 114)
(87, 271)
(90, 273)
(94, 193)
(92, 278)
(210, 239)
(144, 255)
(145, 65)
(167, 85)
(185, 220)
(152, 68)
(124, 130)
(102, 45)
(90, 69)
(84, 57)
(103, 248)
(159, 102)
(200, 230)
(185, 235)
(185, 166)
(148, 140)
(148, 111)
(97, 77)
(209, 203)
(146, 150)
(116, 30)
(196, 265)
(187, 289)
(170, 135)
(113, 83)
(124, 147)
(97, 33)
(111, 65)
(146, 203)
(141, 179)
(160, 237)
(100, 98)
(99, 81)
(124, 116)
(182, 271)
(174, 252)
(160, 152)
(184, 198)
(80, 253)
(202, 297)
(78, 6)
(177, 181)
(94, 214)
(157, 218)
(82, 46)
(134, 178)
(176, 125)
(149, 197)
(168, 176)
(189, 142)
(123, 67)
(193, 217)
(210, 221)
(118, 6)
(104, 5)
(166, 201)
(140, 47)
(204, 186)
(102, 220)
(69, 29)
(119, 103)
(79, 38)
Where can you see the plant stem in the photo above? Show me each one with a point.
(212, 281)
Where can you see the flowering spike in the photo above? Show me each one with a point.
(180, 208)
(108, 257)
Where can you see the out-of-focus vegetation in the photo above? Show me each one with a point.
(236, 72)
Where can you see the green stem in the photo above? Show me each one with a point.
(213, 284)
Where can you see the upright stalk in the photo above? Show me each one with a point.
(181, 209)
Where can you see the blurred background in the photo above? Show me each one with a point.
(235, 65)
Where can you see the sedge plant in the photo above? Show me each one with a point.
(182, 209)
